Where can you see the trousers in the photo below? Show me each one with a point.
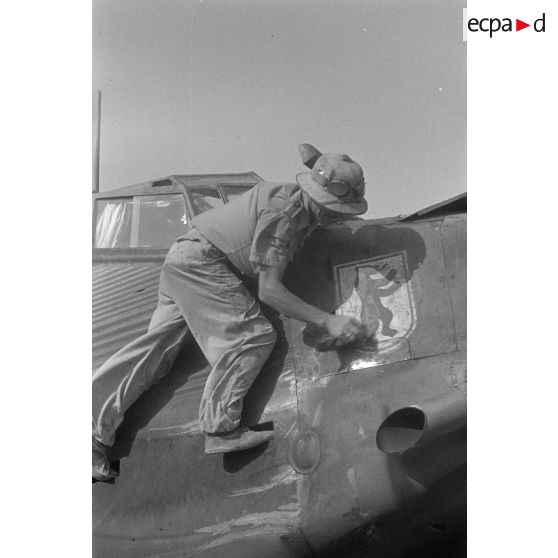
(200, 296)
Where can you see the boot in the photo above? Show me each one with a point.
(102, 471)
(240, 438)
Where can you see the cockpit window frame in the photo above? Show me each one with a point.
(176, 186)
(224, 185)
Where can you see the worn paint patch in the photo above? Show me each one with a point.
(458, 375)
(325, 380)
(352, 479)
(355, 513)
(289, 507)
(271, 409)
(286, 433)
(192, 427)
(286, 476)
(289, 377)
(275, 519)
(317, 418)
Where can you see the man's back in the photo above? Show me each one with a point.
(270, 209)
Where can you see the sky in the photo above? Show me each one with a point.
(211, 86)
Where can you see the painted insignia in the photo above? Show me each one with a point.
(377, 291)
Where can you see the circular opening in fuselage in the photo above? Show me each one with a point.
(401, 430)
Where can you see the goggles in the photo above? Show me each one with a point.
(341, 189)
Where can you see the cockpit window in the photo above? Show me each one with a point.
(160, 220)
(204, 199)
(140, 221)
(114, 223)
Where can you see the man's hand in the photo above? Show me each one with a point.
(343, 329)
(339, 330)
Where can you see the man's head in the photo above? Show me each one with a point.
(335, 184)
(322, 215)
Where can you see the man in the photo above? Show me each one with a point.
(200, 293)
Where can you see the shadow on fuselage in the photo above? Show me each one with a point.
(414, 530)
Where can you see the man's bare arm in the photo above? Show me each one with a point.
(275, 294)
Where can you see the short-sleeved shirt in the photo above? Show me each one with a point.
(264, 226)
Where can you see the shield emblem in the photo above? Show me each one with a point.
(377, 291)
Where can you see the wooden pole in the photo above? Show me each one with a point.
(96, 140)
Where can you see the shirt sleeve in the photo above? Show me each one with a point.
(271, 245)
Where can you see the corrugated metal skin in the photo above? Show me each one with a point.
(124, 297)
